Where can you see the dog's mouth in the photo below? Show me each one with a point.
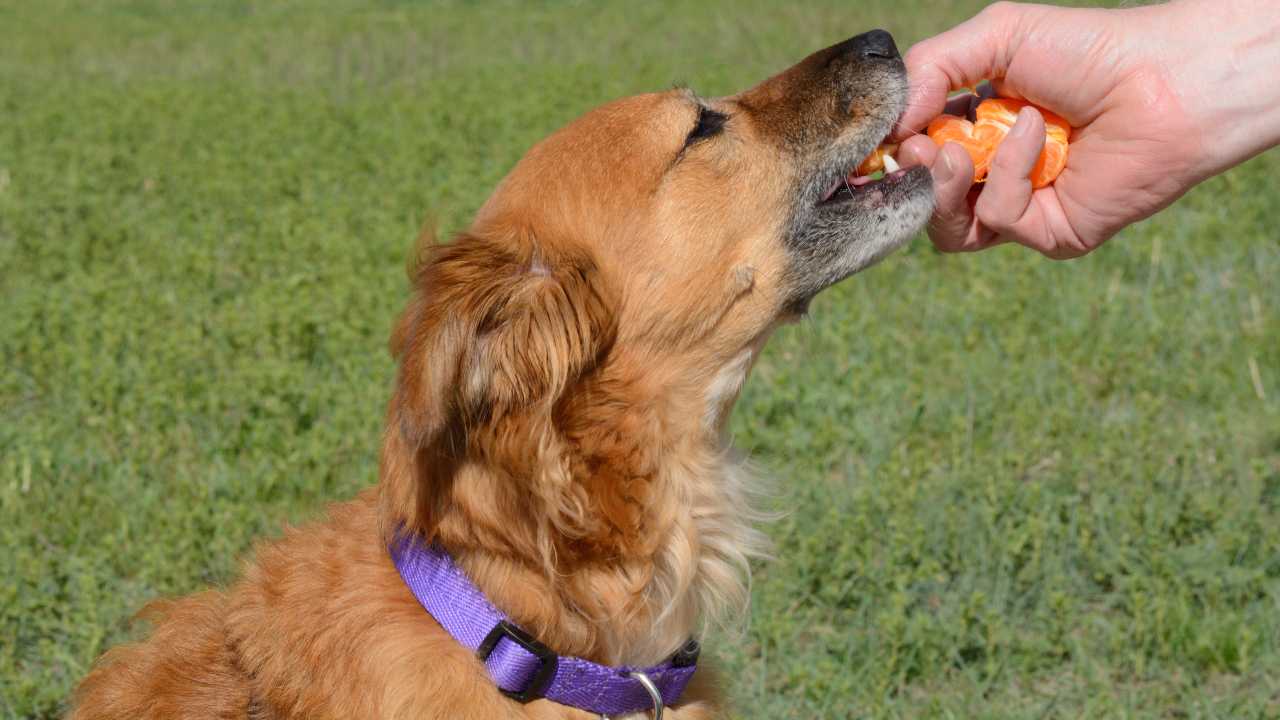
(877, 169)
(874, 189)
(858, 205)
(871, 180)
(859, 177)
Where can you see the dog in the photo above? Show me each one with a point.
(556, 435)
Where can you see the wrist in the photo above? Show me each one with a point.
(1221, 62)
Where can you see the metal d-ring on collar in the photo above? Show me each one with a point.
(653, 691)
(650, 687)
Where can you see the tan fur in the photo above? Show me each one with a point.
(566, 368)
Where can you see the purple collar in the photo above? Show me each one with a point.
(523, 668)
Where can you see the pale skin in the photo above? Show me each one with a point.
(1160, 98)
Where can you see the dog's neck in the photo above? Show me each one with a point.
(633, 531)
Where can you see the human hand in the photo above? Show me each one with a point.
(1137, 85)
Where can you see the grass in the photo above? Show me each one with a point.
(1016, 488)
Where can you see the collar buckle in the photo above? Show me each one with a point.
(547, 659)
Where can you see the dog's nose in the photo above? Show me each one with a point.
(877, 44)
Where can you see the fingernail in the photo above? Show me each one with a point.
(1023, 125)
(946, 168)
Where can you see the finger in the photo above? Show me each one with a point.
(978, 49)
(927, 91)
(1056, 238)
(952, 228)
(917, 150)
(1045, 227)
(1010, 208)
(1003, 88)
(1007, 195)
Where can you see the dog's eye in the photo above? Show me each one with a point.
(710, 123)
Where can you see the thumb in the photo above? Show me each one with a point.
(976, 50)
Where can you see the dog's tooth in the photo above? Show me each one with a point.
(890, 165)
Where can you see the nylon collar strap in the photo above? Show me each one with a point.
(523, 668)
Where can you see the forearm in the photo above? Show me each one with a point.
(1223, 61)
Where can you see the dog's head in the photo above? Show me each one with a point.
(604, 306)
(693, 205)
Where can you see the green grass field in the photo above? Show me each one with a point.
(1015, 488)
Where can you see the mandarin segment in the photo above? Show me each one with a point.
(950, 128)
(994, 118)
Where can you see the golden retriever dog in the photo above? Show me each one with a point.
(557, 425)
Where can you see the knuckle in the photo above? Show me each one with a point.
(1012, 162)
(949, 196)
(1071, 245)
(952, 211)
(944, 242)
(997, 215)
(921, 56)
(999, 11)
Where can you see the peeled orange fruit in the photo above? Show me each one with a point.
(994, 118)
(951, 128)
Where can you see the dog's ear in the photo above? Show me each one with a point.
(496, 333)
